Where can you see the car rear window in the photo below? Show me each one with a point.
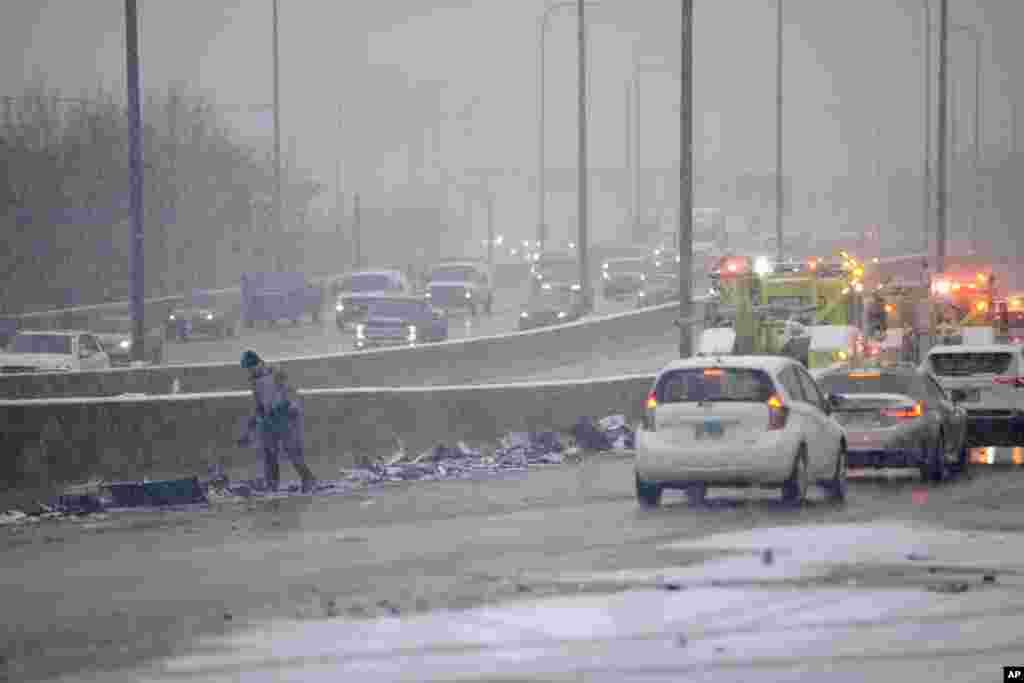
(971, 363)
(715, 384)
(869, 383)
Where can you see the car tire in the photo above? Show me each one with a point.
(935, 468)
(838, 485)
(794, 490)
(963, 461)
(649, 495)
(696, 494)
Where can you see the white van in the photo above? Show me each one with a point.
(990, 376)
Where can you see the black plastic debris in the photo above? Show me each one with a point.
(989, 578)
(157, 493)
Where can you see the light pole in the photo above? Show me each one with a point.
(927, 166)
(135, 164)
(581, 241)
(686, 178)
(940, 204)
(278, 224)
(543, 23)
(779, 192)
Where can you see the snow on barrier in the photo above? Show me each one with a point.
(48, 443)
(462, 361)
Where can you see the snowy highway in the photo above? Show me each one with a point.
(355, 585)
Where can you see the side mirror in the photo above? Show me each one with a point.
(958, 395)
(834, 401)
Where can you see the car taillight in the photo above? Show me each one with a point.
(650, 406)
(916, 410)
(777, 413)
(1012, 381)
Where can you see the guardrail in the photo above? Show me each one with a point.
(47, 443)
(453, 362)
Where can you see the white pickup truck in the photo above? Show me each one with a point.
(53, 351)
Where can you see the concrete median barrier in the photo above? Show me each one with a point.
(454, 362)
(47, 443)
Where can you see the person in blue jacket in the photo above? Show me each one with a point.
(279, 421)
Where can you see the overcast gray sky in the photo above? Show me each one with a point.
(851, 68)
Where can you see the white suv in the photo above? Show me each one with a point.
(57, 351)
(990, 377)
(738, 421)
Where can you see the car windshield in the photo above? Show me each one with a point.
(625, 266)
(869, 383)
(970, 363)
(452, 274)
(715, 384)
(112, 326)
(396, 309)
(548, 298)
(560, 271)
(367, 282)
(41, 343)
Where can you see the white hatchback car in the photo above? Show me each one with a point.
(738, 421)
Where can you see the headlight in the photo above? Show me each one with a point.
(606, 276)
(575, 288)
(428, 295)
(546, 285)
(360, 331)
(125, 344)
(209, 316)
(604, 266)
(561, 314)
(524, 314)
(469, 295)
(412, 333)
(643, 293)
(172, 317)
(643, 278)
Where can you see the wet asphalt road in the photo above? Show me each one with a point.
(85, 597)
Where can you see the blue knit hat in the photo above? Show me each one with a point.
(250, 360)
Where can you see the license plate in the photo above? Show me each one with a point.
(711, 429)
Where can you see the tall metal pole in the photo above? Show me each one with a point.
(941, 180)
(339, 204)
(581, 241)
(629, 159)
(135, 165)
(490, 233)
(357, 233)
(780, 199)
(278, 222)
(927, 206)
(541, 160)
(686, 178)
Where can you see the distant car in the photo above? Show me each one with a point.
(54, 351)
(401, 321)
(200, 315)
(659, 288)
(551, 305)
(738, 421)
(461, 285)
(623, 277)
(992, 379)
(355, 291)
(557, 270)
(115, 335)
(899, 417)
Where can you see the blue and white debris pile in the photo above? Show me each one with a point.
(515, 453)
(610, 433)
